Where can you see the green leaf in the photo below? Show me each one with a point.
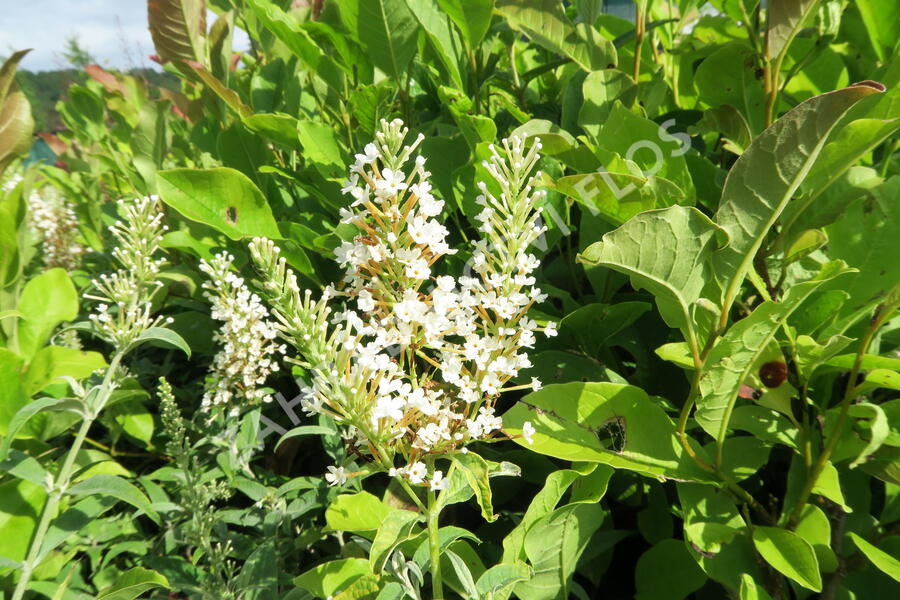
(766, 176)
(476, 471)
(501, 578)
(20, 506)
(751, 591)
(609, 423)
(726, 82)
(132, 583)
(463, 574)
(166, 336)
(600, 91)
(116, 487)
(305, 430)
(231, 97)
(667, 572)
(21, 417)
(329, 578)
(863, 236)
(387, 32)
(789, 554)
(178, 28)
(553, 546)
(356, 512)
(51, 363)
(814, 527)
(882, 20)
(47, 300)
(591, 326)
(396, 527)
(785, 19)
(881, 559)
(731, 360)
(542, 504)
(877, 425)
(473, 17)
(222, 198)
(446, 40)
(546, 23)
(277, 127)
(674, 268)
(320, 146)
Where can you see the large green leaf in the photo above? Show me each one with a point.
(553, 546)
(222, 198)
(178, 28)
(785, 19)
(727, 78)
(864, 236)
(20, 506)
(765, 177)
(731, 360)
(50, 363)
(443, 36)
(387, 32)
(667, 572)
(546, 23)
(865, 126)
(396, 527)
(473, 17)
(358, 512)
(674, 267)
(882, 20)
(881, 559)
(116, 487)
(327, 579)
(789, 554)
(608, 423)
(47, 300)
(600, 91)
(132, 583)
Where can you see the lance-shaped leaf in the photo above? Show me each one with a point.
(8, 72)
(789, 554)
(16, 122)
(388, 33)
(664, 251)
(178, 28)
(763, 180)
(473, 17)
(785, 19)
(731, 360)
(546, 23)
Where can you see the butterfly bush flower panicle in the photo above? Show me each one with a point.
(412, 359)
(55, 224)
(125, 312)
(249, 349)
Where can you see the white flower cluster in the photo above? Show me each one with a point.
(248, 353)
(55, 224)
(416, 360)
(125, 309)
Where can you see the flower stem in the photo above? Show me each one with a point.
(62, 481)
(434, 545)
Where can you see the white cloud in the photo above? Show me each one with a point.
(114, 32)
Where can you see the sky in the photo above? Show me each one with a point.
(114, 32)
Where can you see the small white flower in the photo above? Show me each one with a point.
(535, 384)
(335, 476)
(417, 472)
(437, 482)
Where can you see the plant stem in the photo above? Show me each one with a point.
(62, 481)
(640, 28)
(434, 546)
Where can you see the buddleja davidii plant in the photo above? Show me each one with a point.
(411, 363)
(696, 268)
(124, 318)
